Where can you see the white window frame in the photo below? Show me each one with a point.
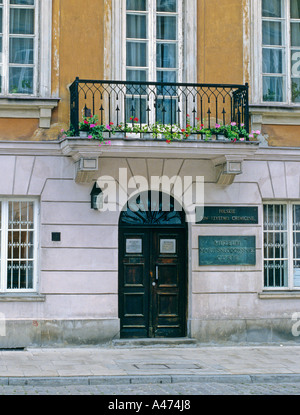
(290, 245)
(42, 52)
(256, 57)
(115, 29)
(152, 40)
(4, 245)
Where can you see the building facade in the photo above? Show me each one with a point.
(161, 222)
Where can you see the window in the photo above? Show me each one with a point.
(280, 51)
(153, 53)
(18, 46)
(282, 246)
(18, 254)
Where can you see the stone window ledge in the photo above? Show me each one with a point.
(28, 107)
(22, 297)
(274, 114)
(269, 295)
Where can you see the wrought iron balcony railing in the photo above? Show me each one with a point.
(148, 103)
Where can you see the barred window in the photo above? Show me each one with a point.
(18, 245)
(282, 246)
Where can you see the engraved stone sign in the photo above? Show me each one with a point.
(227, 215)
(134, 246)
(168, 246)
(227, 250)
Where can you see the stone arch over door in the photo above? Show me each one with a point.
(152, 267)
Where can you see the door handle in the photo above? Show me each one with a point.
(156, 276)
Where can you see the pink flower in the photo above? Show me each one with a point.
(85, 122)
(108, 127)
(218, 125)
(257, 132)
(233, 124)
(62, 130)
(242, 125)
(251, 135)
(242, 139)
(93, 125)
(90, 136)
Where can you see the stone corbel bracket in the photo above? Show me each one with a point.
(85, 157)
(227, 167)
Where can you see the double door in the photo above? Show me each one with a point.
(152, 282)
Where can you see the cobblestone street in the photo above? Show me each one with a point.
(189, 388)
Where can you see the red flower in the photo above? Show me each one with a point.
(136, 119)
(188, 125)
(183, 130)
(202, 125)
(111, 123)
(168, 141)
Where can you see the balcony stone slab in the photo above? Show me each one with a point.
(227, 157)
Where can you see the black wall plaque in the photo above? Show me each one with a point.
(227, 250)
(227, 215)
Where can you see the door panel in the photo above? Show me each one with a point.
(152, 283)
(133, 284)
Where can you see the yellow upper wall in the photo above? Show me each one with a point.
(78, 50)
(220, 41)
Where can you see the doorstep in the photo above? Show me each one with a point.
(158, 342)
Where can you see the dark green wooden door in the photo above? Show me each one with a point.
(152, 282)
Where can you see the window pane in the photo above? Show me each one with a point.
(295, 34)
(272, 33)
(29, 2)
(295, 9)
(272, 8)
(136, 26)
(136, 54)
(136, 75)
(21, 80)
(166, 76)
(19, 274)
(1, 19)
(138, 5)
(272, 61)
(296, 217)
(275, 217)
(0, 79)
(166, 5)
(166, 55)
(273, 89)
(21, 51)
(167, 110)
(21, 21)
(276, 273)
(136, 108)
(166, 27)
(1, 49)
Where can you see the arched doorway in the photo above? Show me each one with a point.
(152, 267)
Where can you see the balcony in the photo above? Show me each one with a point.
(156, 110)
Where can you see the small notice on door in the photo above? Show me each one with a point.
(134, 246)
(168, 246)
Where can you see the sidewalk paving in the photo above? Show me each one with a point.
(109, 364)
